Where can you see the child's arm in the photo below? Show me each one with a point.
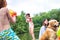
(10, 18)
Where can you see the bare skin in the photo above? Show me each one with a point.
(5, 19)
(31, 27)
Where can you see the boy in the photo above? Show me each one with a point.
(6, 33)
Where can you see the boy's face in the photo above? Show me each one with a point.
(27, 16)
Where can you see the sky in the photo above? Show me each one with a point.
(33, 6)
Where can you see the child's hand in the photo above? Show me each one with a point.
(13, 16)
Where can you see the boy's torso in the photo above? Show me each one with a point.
(4, 23)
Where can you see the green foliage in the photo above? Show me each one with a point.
(22, 27)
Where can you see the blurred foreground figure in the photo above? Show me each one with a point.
(6, 33)
(58, 33)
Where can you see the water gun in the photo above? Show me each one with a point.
(58, 33)
(12, 13)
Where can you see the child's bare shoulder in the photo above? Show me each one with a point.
(4, 8)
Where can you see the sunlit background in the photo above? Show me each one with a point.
(50, 9)
(33, 6)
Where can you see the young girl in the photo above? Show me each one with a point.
(31, 25)
(43, 28)
(6, 33)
